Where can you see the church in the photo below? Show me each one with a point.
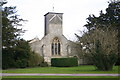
(54, 44)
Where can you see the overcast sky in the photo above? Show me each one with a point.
(74, 17)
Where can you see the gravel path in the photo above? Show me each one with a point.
(37, 74)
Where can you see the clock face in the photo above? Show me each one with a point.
(55, 19)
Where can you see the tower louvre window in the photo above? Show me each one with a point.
(56, 47)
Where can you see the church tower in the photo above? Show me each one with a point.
(54, 44)
(53, 23)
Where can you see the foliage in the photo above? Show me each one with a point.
(102, 60)
(7, 59)
(35, 59)
(22, 53)
(100, 42)
(43, 64)
(10, 37)
(118, 60)
(16, 51)
(17, 56)
(100, 47)
(21, 63)
(64, 62)
(21, 56)
(109, 19)
(10, 22)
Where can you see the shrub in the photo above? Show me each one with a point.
(17, 56)
(43, 64)
(102, 60)
(118, 61)
(35, 59)
(7, 59)
(101, 47)
(64, 62)
(21, 63)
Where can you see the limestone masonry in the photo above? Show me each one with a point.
(54, 44)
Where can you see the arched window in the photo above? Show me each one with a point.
(56, 47)
(42, 50)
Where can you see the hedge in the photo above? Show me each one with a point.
(64, 62)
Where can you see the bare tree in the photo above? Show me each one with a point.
(101, 47)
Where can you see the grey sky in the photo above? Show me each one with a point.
(74, 17)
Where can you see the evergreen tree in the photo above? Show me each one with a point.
(109, 19)
(10, 36)
(10, 23)
(16, 52)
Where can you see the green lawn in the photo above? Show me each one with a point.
(60, 77)
(72, 70)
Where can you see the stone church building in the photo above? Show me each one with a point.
(54, 44)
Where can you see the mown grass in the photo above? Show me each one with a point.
(71, 70)
(60, 76)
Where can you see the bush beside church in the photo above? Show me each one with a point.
(64, 62)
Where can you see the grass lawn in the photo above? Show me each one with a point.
(71, 70)
(60, 77)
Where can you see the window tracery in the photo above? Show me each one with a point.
(56, 47)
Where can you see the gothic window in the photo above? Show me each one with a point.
(52, 48)
(42, 50)
(59, 48)
(56, 46)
